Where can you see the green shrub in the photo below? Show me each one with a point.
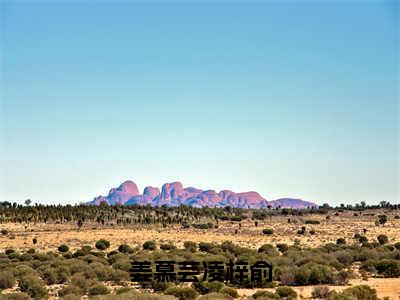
(78, 253)
(7, 280)
(9, 251)
(388, 267)
(320, 274)
(70, 290)
(33, 286)
(124, 248)
(203, 226)
(268, 231)
(103, 273)
(86, 248)
(149, 245)
(397, 245)
(192, 246)
(98, 289)
(15, 296)
(48, 275)
(282, 247)
(215, 296)
(361, 292)
(206, 247)
(320, 292)
(286, 292)
(168, 246)
(312, 222)
(63, 248)
(123, 290)
(62, 274)
(382, 239)
(229, 291)
(159, 286)
(81, 281)
(214, 286)
(204, 287)
(102, 244)
(340, 241)
(268, 249)
(185, 293)
(344, 257)
(265, 295)
(25, 257)
(118, 276)
(382, 219)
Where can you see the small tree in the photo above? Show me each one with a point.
(80, 224)
(382, 219)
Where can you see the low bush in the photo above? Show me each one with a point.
(214, 286)
(286, 292)
(215, 296)
(102, 244)
(168, 246)
(312, 222)
(361, 292)
(33, 286)
(192, 246)
(388, 267)
(265, 295)
(124, 248)
(320, 292)
(7, 280)
(15, 296)
(149, 245)
(268, 231)
(382, 239)
(70, 290)
(206, 247)
(268, 249)
(282, 247)
(185, 293)
(229, 291)
(340, 241)
(63, 248)
(98, 289)
(203, 226)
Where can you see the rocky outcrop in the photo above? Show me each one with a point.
(174, 194)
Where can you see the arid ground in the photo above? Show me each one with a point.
(245, 233)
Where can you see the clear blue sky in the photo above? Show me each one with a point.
(288, 100)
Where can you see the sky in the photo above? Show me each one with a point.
(289, 100)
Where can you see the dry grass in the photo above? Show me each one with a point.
(50, 236)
